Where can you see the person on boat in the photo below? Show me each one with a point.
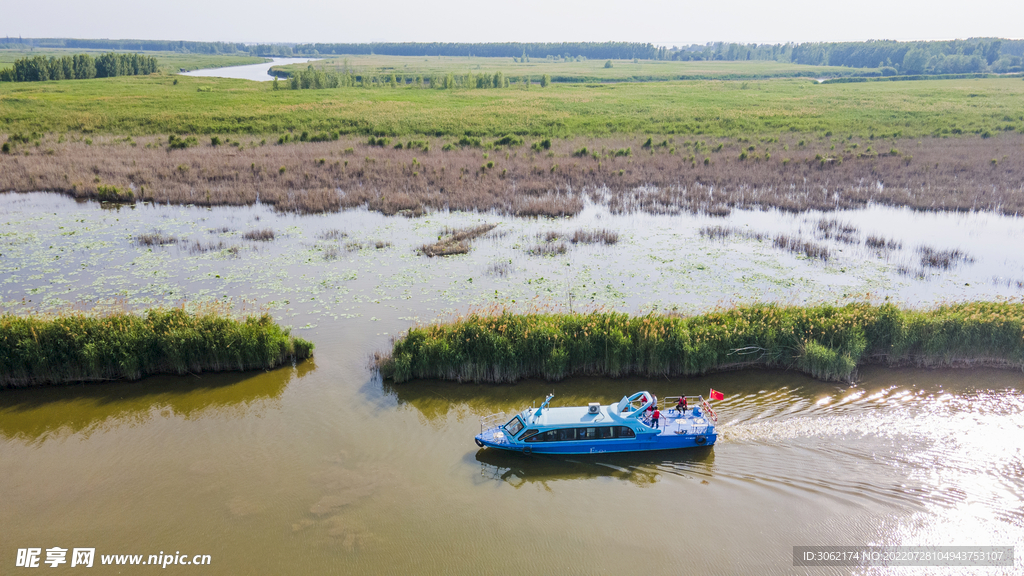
(655, 417)
(681, 405)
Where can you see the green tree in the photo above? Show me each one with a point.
(276, 86)
(915, 61)
(608, 64)
(526, 82)
(545, 81)
(393, 81)
(499, 80)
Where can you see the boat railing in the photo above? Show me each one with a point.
(706, 406)
(670, 402)
(492, 421)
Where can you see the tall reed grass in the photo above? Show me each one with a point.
(827, 342)
(79, 348)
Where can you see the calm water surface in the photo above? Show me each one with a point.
(256, 72)
(322, 468)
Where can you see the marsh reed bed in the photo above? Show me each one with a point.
(827, 342)
(542, 177)
(82, 348)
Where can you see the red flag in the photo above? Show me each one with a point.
(716, 395)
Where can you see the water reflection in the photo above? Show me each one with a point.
(640, 469)
(39, 414)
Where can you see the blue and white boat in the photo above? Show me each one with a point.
(625, 426)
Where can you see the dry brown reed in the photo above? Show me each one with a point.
(261, 235)
(798, 245)
(831, 229)
(602, 236)
(689, 176)
(548, 249)
(882, 243)
(942, 259)
(154, 239)
(455, 240)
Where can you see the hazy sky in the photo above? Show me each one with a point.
(660, 21)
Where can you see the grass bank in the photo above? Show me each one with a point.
(826, 342)
(598, 70)
(78, 348)
(124, 106)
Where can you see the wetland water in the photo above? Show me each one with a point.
(257, 72)
(321, 468)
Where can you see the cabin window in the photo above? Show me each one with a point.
(548, 436)
(570, 434)
(529, 434)
(514, 426)
(566, 434)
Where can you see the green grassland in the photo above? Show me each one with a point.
(154, 105)
(575, 71)
(169, 62)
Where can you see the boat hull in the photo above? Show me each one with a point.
(657, 442)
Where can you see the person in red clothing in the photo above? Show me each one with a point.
(681, 405)
(655, 417)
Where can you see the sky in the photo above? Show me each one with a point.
(662, 22)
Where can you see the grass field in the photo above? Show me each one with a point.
(573, 71)
(153, 105)
(169, 62)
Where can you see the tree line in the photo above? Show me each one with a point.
(602, 50)
(78, 67)
(127, 45)
(919, 57)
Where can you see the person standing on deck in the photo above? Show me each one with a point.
(655, 417)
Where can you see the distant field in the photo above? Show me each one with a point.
(153, 105)
(169, 62)
(572, 71)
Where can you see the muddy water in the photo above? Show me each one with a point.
(320, 468)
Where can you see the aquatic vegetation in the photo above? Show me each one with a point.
(548, 249)
(318, 177)
(453, 240)
(262, 235)
(602, 236)
(825, 341)
(832, 229)
(797, 245)
(882, 243)
(80, 348)
(155, 239)
(944, 259)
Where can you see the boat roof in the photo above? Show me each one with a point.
(622, 412)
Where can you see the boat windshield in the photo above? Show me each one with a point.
(514, 426)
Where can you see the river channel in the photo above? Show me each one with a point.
(255, 72)
(322, 468)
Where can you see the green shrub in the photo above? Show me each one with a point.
(178, 143)
(509, 140)
(114, 194)
(78, 348)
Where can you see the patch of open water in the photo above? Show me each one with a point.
(255, 72)
(322, 467)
